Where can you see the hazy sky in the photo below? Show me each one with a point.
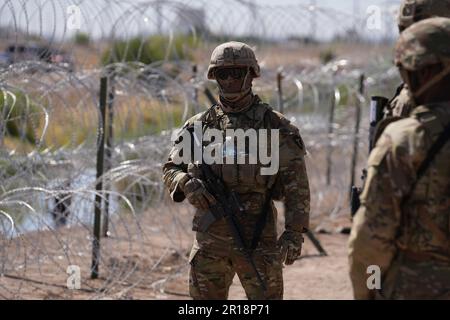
(273, 18)
(346, 5)
(360, 8)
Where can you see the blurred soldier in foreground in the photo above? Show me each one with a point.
(402, 226)
(235, 219)
(400, 106)
(412, 11)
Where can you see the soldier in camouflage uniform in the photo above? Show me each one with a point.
(412, 11)
(403, 223)
(214, 257)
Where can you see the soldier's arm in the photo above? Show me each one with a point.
(175, 176)
(175, 173)
(373, 240)
(293, 178)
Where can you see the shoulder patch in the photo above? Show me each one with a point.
(402, 128)
(406, 139)
(288, 129)
(429, 120)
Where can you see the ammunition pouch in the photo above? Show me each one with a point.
(203, 220)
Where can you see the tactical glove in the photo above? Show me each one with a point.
(290, 244)
(197, 195)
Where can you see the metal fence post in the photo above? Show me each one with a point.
(356, 131)
(330, 133)
(108, 151)
(280, 89)
(99, 184)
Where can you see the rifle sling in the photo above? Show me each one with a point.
(262, 221)
(434, 150)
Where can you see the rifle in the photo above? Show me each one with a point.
(316, 243)
(227, 204)
(377, 106)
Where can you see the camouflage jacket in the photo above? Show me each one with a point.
(401, 104)
(290, 183)
(409, 241)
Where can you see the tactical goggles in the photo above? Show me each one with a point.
(234, 73)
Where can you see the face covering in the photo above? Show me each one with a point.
(425, 87)
(235, 89)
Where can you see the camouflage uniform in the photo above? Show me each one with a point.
(412, 11)
(403, 229)
(214, 258)
(401, 105)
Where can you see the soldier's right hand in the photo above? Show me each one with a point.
(197, 195)
(290, 244)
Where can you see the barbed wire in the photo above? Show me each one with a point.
(52, 124)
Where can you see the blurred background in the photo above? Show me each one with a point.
(91, 91)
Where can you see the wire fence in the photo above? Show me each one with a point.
(152, 57)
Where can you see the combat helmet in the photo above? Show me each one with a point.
(412, 11)
(424, 44)
(233, 54)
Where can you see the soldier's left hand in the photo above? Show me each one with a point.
(290, 244)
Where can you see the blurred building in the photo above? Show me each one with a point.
(190, 19)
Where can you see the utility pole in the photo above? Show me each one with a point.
(158, 9)
(356, 18)
(356, 13)
(280, 77)
(313, 19)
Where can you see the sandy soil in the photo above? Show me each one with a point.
(148, 267)
(313, 276)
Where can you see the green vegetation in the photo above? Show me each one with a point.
(82, 39)
(327, 55)
(152, 49)
(69, 127)
(21, 117)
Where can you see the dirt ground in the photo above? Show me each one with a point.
(315, 277)
(151, 268)
(146, 256)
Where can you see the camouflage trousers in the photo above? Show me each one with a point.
(416, 280)
(215, 260)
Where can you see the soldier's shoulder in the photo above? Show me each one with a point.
(289, 133)
(281, 122)
(191, 120)
(424, 122)
(433, 115)
(401, 131)
(403, 126)
(395, 140)
(402, 139)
